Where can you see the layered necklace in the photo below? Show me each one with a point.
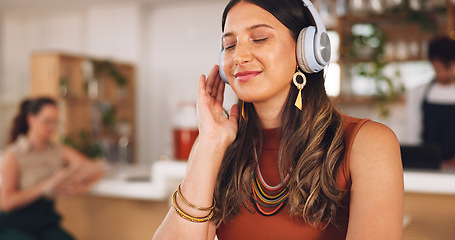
(266, 196)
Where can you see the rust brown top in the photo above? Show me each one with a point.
(248, 225)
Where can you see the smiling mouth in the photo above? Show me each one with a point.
(246, 76)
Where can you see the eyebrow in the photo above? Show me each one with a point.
(250, 29)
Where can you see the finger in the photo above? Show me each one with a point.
(62, 174)
(234, 114)
(217, 83)
(201, 86)
(211, 79)
(220, 91)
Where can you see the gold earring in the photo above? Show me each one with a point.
(243, 110)
(298, 101)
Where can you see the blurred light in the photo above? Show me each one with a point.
(362, 29)
(332, 80)
(341, 8)
(452, 34)
(333, 75)
(335, 45)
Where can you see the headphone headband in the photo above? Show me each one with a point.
(314, 13)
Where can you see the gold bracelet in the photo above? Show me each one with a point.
(185, 215)
(188, 203)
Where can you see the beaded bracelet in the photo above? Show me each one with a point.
(188, 203)
(187, 216)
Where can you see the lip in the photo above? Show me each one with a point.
(246, 75)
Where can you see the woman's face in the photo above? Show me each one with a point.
(45, 122)
(259, 59)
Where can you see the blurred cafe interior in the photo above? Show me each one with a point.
(124, 74)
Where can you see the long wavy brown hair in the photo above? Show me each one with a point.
(312, 142)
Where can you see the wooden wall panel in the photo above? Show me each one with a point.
(103, 218)
(432, 217)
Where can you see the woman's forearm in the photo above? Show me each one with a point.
(21, 198)
(197, 187)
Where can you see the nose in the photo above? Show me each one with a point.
(242, 54)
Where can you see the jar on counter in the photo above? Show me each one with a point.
(185, 130)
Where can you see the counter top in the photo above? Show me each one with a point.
(166, 175)
(430, 182)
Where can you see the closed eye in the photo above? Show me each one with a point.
(227, 48)
(260, 40)
(230, 47)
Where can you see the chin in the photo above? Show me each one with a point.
(247, 94)
(247, 98)
(48, 136)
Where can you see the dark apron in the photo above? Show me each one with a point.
(439, 125)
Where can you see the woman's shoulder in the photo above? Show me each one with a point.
(351, 126)
(363, 124)
(8, 156)
(19, 146)
(22, 148)
(375, 131)
(374, 140)
(368, 135)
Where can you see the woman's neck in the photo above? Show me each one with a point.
(269, 113)
(37, 142)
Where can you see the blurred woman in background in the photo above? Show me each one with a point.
(35, 170)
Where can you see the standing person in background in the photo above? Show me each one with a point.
(431, 107)
(34, 170)
(285, 164)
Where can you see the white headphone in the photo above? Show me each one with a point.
(313, 46)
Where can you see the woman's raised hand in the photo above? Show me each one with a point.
(216, 133)
(213, 123)
(59, 176)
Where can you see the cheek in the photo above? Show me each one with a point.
(285, 51)
(452, 70)
(227, 65)
(282, 63)
(445, 72)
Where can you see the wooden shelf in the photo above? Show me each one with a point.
(356, 60)
(359, 100)
(404, 41)
(62, 77)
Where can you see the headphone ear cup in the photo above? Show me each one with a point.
(220, 68)
(305, 51)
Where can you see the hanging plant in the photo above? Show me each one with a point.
(387, 91)
(421, 17)
(85, 145)
(107, 67)
(108, 118)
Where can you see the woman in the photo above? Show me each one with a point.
(34, 170)
(277, 171)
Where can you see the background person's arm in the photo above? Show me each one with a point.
(413, 129)
(86, 173)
